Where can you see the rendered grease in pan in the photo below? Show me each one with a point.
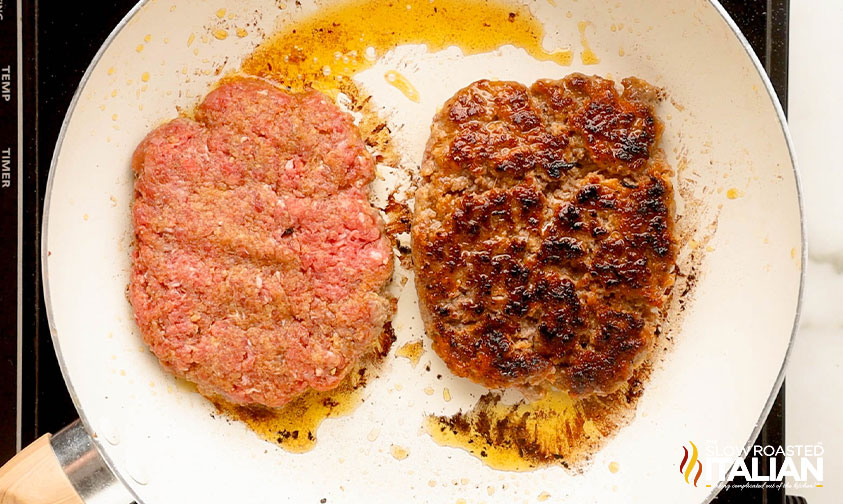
(326, 50)
(555, 429)
(294, 426)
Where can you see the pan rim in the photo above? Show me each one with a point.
(45, 282)
(774, 99)
(718, 7)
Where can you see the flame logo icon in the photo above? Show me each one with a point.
(687, 466)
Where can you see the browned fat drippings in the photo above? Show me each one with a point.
(402, 84)
(411, 351)
(327, 48)
(555, 429)
(293, 427)
(587, 55)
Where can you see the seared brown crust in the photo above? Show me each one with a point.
(542, 234)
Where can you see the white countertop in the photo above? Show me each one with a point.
(814, 411)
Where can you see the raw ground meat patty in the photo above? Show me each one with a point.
(259, 267)
(542, 234)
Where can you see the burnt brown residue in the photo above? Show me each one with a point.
(553, 430)
(386, 340)
(399, 216)
(695, 229)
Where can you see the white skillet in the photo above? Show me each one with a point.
(716, 385)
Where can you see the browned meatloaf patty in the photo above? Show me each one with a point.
(542, 235)
(259, 267)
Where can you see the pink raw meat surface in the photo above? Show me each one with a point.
(260, 266)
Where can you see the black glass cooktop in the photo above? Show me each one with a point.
(59, 40)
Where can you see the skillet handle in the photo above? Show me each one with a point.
(34, 476)
(65, 468)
